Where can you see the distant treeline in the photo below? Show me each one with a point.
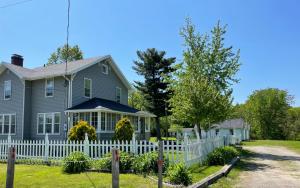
(270, 114)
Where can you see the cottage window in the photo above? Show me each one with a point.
(7, 89)
(231, 132)
(49, 88)
(48, 123)
(217, 132)
(118, 95)
(87, 87)
(7, 124)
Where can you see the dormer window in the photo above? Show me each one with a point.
(49, 87)
(87, 88)
(118, 95)
(104, 69)
(7, 90)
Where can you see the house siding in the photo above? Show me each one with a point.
(42, 104)
(15, 104)
(27, 110)
(103, 85)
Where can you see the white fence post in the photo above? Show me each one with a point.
(8, 141)
(86, 144)
(133, 143)
(46, 147)
(185, 148)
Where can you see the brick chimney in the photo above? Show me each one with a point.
(17, 60)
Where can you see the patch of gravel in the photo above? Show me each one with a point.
(271, 167)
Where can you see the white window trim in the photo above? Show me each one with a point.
(118, 88)
(46, 87)
(9, 130)
(7, 81)
(106, 66)
(91, 88)
(44, 123)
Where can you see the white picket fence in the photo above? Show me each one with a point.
(187, 151)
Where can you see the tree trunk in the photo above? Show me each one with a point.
(158, 134)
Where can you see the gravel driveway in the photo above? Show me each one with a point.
(271, 167)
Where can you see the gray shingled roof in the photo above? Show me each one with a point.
(232, 124)
(59, 69)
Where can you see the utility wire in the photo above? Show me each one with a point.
(14, 4)
(68, 25)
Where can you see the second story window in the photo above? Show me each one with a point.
(49, 87)
(118, 94)
(104, 69)
(7, 89)
(87, 87)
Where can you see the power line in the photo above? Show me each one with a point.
(16, 3)
(68, 25)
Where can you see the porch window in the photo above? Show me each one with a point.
(49, 87)
(134, 120)
(87, 87)
(103, 121)
(48, 123)
(148, 123)
(217, 132)
(231, 132)
(7, 89)
(7, 123)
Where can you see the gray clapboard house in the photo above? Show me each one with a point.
(51, 99)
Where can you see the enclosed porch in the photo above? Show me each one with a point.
(104, 115)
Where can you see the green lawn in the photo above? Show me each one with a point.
(289, 144)
(39, 176)
(201, 172)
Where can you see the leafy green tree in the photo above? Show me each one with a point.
(267, 113)
(137, 100)
(156, 70)
(292, 129)
(64, 54)
(202, 84)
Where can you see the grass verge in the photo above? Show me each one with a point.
(289, 144)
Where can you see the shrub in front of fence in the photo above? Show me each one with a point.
(104, 164)
(124, 130)
(179, 174)
(222, 155)
(76, 162)
(80, 129)
(147, 163)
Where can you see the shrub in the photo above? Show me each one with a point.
(125, 164)
(179, 174)
(147, 163)
(78, 131)
(76, 162)
(222, 155)
(124, 130)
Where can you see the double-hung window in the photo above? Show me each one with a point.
(7, 123)
(49, 87)
(87, 87)
(7, 89)
(118, 95)
(48, 123)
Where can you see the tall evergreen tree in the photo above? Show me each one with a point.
(156, 70)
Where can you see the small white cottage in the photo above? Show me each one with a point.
(235, 127)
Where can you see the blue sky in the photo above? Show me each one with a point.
(266, 31)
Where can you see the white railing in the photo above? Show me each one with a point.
(186, 151)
